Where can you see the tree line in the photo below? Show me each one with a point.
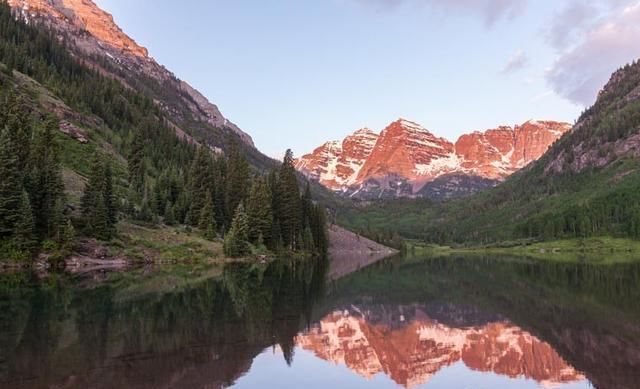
(223, 197)
(164, 179)
(32, 201)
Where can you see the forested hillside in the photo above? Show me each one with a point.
(587, 184)
(81, 151)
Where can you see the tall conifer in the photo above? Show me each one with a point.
(236, 242)
(10, 188)
(24, 237)
(259, 211)
(289, 206)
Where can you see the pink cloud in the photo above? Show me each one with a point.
(582, 70)
(489, 10)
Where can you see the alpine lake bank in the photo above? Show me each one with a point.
(601, 250)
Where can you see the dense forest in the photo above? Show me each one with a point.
(135, 167)
(586, 185)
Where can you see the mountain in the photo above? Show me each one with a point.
(410, 346)
(337, 164)
(587, 184)
(93, 36)
(406, 160)
(92, 144)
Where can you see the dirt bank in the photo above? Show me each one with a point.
(349, 252)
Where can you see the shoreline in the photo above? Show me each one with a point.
(595, 249)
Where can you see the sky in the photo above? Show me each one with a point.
(296, 73)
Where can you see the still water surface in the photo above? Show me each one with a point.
(414, 323)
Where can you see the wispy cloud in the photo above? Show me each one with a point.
(603, 44)
(490, 11)
(518, 61)
(570, 22)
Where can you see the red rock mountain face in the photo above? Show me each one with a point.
(405, 151)
(410, 354)
(340, 162)
(86, 15)
(93, 31)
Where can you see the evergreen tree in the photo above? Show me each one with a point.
(94, 186)
(319, 230)
(211, 232)
(16, 119)
(68, 237)
(200, 183)
(307, 205)
(46, 185)
(169, 215)
(237, 180)
(98, 200)
(145, 214)
(109, 196)
(158, 199)
(207, 222)
(259, 211)
(220, 205)
(135, 162)
(99, 222)
(24, 238)
(289, 206)
(307, 239)
(236, 242)
(59, 222)
(10, 188)
(276, 243)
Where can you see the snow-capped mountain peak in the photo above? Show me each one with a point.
(406, 156)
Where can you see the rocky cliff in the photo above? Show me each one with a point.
(405, 158)
(92, 34)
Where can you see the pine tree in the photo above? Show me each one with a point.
(319, 230)
(59, 222)
(18, 122)
(207, 222)
(135, 162)
(200, 183)
(10, 185)
(169, 215)
(46, 184)
(259, 211)
(98, 200)
(236, 242)
(211, 232)
(109, 196)
(158, 199)
(307, 239)
(99, 222)
(220, 205)
(68, 237)
(306, 205)
(24, 237)
(289, 206)
(237, 179)
(94, 185)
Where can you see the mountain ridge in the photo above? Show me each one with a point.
(92, 34)
(415, 346)
(587, 185)
(405, 157)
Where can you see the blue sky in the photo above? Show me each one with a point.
(295, 73)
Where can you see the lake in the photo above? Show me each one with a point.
(456, 322)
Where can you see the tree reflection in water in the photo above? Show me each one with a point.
(554, 323)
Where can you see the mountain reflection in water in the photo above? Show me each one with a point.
(399, 322)
(410, 346)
